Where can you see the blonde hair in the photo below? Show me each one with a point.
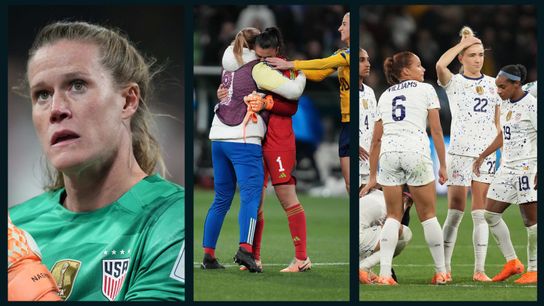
(126, 65)
(244, 39)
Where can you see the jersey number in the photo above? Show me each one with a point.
(523, 183)
(366, 121)
(278, 160)
(507, 135)
(399, 110)
(480, 105)
(491, 165)
(344, 85)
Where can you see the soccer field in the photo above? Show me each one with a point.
(414, 267)
(328, 248)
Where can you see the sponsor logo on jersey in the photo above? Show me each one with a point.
(480, 90)
(65, 272)
(508, 115)
(114, 272)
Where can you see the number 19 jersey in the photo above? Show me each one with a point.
(472, 104)
(403, 109)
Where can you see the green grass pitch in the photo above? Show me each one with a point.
(328, 248)
(414, 267)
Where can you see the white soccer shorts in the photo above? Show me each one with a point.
(399, 168)
(460, 170)
(513, 186)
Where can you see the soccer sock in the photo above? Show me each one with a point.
(432, 232)
(451, 225)
(258, 235)
(210, 251)
(501, 234)
(532, 248)
(480, 237)
(404, 238)
(370, 261)
(297, 225)
(246, 247)
(388, 242)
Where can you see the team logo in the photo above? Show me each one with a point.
(365, 103)
(65, 272)
(508, 115)
(114, 272)
(282, 175)
(480, 90)
(518, 116)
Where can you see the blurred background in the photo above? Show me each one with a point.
(157, 32)
(309, 32)
(508, 32)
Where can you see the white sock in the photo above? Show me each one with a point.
(404, 238)
(370, 261)
(388, 242)
(451, 225)
(480, 237)
(532, 248)
(432, 231)
(501, 234)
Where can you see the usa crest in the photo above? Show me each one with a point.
(114, 272)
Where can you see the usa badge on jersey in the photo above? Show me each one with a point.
(114, 272)
(365, 103)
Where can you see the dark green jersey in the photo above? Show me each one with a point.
(132, 249)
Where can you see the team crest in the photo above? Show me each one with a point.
(282, 175)
(509, 116)
(114, 272)
(365, 103)
(480, 90)
(65, 272)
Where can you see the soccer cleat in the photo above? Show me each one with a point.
(364, 277)
(440, 278)
(480, 277)
(449, 279)
(298, 265)
(512, 267)
(385, 281)
(257, 261)
(246, 259)
(393, 275)
(210, 263)
(527, 278)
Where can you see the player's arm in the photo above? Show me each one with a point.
(442, 71)
(271, 80)
(494, 146)
(334, 61)
(438, 140)
(318, 75)
(375, 148)
(28, 278)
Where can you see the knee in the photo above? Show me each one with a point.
(492, 218)
(478, 216)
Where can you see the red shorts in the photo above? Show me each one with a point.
(279, 165)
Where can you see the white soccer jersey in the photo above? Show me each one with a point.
(531, 88)
(472, 103)
(403, 109)
(367, 117)
(372, 211)
(519, 128)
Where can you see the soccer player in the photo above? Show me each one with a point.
(475, 110)
(516, 179)
(401, 143)
(532, 88)
(339, 61)
(372, 215)
(109, 228)
(367, 116)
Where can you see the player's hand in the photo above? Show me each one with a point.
(279, 63)
(222, 92)
(470, 40)
(28, 278)
(363, 154)
(476, 165)
(369, 186)
(442, 175)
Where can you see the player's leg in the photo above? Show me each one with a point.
(224, 187)
(343, 152)
(529, 215)
(247, 161)
(259, 228)
(390, 231)
(369, 253)
(480, 233)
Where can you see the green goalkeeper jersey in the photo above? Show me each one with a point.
(132, 249)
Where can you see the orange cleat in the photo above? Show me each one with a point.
(448, 277)
(386, 281)
(366, 277)
(480, 277)
(527, 278)
(298, 265)
(440, 278)
(510, 268)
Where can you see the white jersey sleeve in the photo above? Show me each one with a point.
(531, 88)
(403, 109)
(372, 209)
(473, 104)
(367, 117)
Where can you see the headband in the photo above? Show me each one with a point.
(509, 76)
